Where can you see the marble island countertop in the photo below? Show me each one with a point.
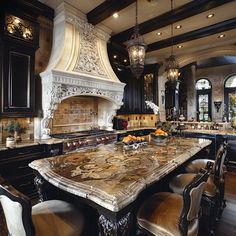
(113, 177)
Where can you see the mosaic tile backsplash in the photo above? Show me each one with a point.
(74, 114)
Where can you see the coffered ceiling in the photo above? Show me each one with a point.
(198, 34)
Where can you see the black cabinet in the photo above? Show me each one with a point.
(137, 91)
(18, 94)
(14, 167)
(19, 39)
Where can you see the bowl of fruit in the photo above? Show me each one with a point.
(159, 135)
(133, 142)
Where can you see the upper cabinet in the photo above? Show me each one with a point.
(137, 91)
(19, 40)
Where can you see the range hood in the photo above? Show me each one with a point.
(78, 66)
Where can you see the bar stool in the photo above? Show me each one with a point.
(213, 195)
(171, 214)
(195, 165)
(49, 218)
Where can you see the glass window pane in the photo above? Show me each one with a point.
(203, 101)
(231, 82)
(203, 84)
(232, 104)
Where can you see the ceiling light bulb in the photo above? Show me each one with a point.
(210, 15)
(221, 36)
(115, 15)
(115, 56)
(178, 26)
(125, 60)
(159, 33)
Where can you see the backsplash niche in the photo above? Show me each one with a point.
(77, 113)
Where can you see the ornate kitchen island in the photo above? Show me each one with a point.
(110, 177)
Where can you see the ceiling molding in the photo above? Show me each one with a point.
(106, 9)
(170, 17)
(195, 34)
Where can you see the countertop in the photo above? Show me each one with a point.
(27, 143)
(112, 176)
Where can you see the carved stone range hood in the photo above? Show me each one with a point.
(79, 65)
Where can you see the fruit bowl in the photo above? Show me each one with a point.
(158, 138)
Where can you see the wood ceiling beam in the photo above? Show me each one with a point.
(195, 34)
(190, 9)
(106, 9)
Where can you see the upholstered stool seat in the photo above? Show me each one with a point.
(213, 195)
(161, 213)
(49, 218)
(57, 218)
(178, 183)
(172, 214)
(196, 165)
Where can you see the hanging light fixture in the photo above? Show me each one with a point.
(172, 67)
(136, 49)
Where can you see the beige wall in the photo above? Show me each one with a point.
(217, 76)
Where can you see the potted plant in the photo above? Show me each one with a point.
(15, 129)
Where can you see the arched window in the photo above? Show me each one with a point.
(230, 96)
(203, 87)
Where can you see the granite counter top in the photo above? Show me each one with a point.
(112, 176)
(27, 143)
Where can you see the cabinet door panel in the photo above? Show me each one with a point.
(19, 80)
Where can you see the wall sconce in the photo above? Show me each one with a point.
(217, 105)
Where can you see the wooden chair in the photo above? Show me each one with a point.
(49, 218)
(171, 214)
(213, 195)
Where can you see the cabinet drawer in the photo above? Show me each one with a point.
(16, 153)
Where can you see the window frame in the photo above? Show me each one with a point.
(207, 92)
(226, 95)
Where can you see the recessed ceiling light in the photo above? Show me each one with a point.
(178, 26)
(115, 56)
(159, 33)
(179, 46)
(125, 60)
(115, 15)
(221, 36)
(210, 15)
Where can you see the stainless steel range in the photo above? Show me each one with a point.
(76, 141)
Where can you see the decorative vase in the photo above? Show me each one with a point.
(10, 142)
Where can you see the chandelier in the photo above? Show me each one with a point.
(172, 67)
(136, 49)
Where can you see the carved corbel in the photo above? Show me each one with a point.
(51, 96)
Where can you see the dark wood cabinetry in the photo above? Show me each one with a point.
(19, 40)
(14, 167)
(137, 91)
(18, 87)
